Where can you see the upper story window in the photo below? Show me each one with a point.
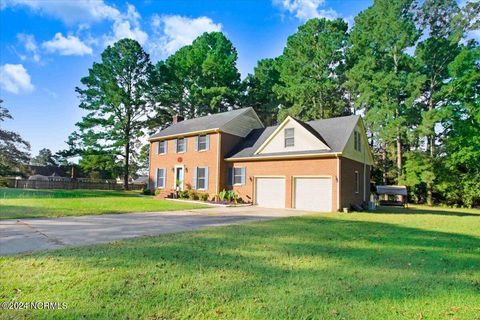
(181, 145)
(357, 141)
(162, 147)
(202, 142)
(289, 137)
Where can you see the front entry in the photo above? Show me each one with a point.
(179, 178)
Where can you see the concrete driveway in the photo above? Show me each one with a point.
(27, 235)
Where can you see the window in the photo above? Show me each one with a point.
(162, 147)
(289, 137)
(181, 145)
(357, 183)
(202, 178)
(202, 143)
(238, 176)
(358, 141)
(161, 177)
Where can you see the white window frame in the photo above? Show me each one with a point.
(241, 175)
(357, 182)
(292, 137)
(165, 147)
(198, 142)
(205, 179)
(164, 178)
(357, 141)
(184, 145)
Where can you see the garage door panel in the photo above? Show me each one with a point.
(313, 194)
(270, 192)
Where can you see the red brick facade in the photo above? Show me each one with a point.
(221, 144)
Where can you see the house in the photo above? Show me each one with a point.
(321, 165)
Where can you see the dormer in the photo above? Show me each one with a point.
(292, 136)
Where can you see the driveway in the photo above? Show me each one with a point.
(28, 235)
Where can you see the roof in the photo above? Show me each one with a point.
(206, 123)
(334, 132)
(392, 190)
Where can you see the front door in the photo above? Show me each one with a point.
(179, 178)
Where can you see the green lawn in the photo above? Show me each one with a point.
(416, 263)
(19, 203)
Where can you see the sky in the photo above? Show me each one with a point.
(47, 46)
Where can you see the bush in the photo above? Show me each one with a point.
(183, 194)
(192, 195)
(203, 196)
(146, 192)
(230, 196)
(157, 192)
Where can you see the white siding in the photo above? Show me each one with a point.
(304, 140)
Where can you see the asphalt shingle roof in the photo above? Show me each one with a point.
(334, 132)
(205, 123)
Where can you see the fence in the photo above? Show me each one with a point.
(66, 185)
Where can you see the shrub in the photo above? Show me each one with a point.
(203, 196)
(146, 192)
(157, 192)
(192, 195)
(222, 195)
(183, 194)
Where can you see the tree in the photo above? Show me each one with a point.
(445, 24)
(117, 96)
(460, 178)
(199, 79)
(14, 151)
(383, 79)
(312, 71)
(45, 157)
(259, 93)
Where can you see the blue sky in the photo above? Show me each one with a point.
(48, 45)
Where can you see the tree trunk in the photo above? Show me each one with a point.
(399, 155)
(431, 147)
(384, 162)
(126, 166)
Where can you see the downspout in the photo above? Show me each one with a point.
(217, 178)
(339, 175)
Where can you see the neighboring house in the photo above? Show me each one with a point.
(321, 165)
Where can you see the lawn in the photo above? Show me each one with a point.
(20, 203)
(416, 263)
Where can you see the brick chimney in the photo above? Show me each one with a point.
(177, 118)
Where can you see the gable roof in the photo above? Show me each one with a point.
(206, 123)
(334, 132)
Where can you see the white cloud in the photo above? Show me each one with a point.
(69, 11)
(127, 26)
(174, 32)
(14, 78)
(30, 45)
(306, 9)
(67, 46)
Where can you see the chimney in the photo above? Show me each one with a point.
(177, 118)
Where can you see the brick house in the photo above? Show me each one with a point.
(321, 165)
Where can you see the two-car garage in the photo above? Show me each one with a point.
(312, 193)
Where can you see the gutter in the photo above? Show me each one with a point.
(184, 134)
(286, 157)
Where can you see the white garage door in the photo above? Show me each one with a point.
(313, 194)
(270, 192)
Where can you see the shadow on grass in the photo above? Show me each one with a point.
(459, 212)
(9, 193)
(288, 268)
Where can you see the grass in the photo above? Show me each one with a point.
(19, 203)
(417, 263)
